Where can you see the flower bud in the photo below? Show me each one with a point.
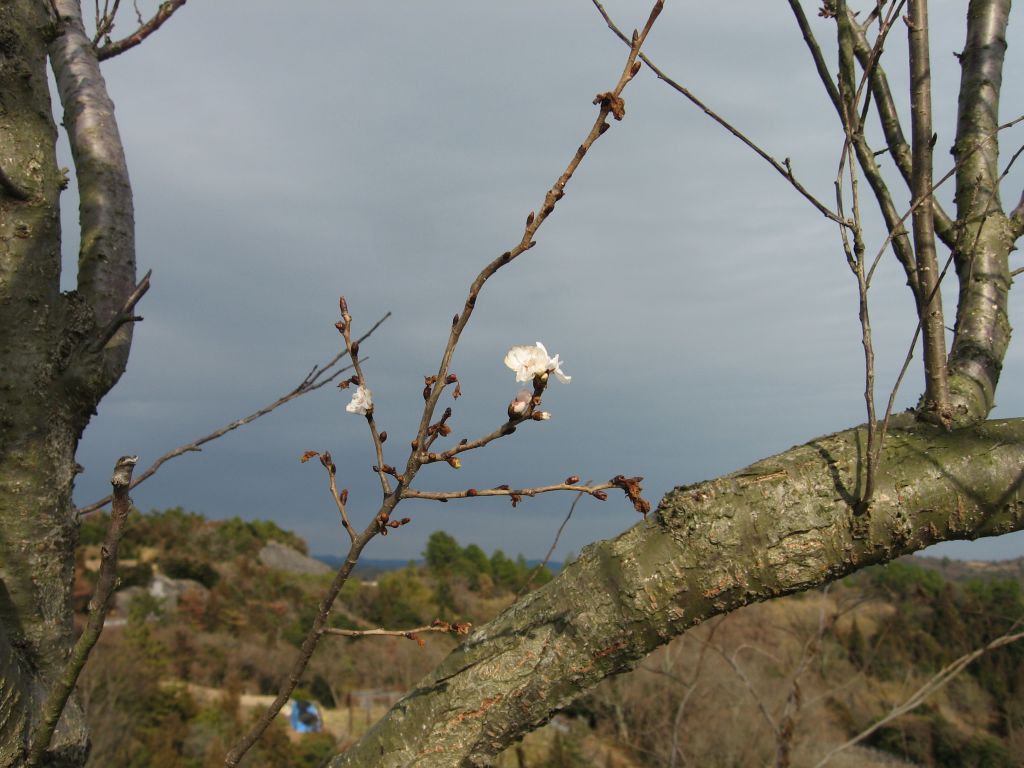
(541, 416)
(572, 479)
(520, 404)
(454, 462)
(383, 437)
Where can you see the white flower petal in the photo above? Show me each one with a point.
(362, 401)
(529, 362)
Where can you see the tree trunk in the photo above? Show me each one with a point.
(782, 525)
(58, 358)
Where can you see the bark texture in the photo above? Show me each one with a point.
(782, 525)
(985, 235)
(54, 370)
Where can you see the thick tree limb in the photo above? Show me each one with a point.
(782, 525)
(106, 259)
(985, 235)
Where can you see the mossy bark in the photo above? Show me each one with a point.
(783, 525)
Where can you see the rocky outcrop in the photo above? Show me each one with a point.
(281, 557)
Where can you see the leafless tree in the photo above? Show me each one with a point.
(784, 524)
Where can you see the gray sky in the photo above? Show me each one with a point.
(704, 310)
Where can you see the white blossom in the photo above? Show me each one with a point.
(532, 361)
(362, 401)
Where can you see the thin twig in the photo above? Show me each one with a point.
(785, 168)
(551, 550)
(314, 380)
(610, 104)
(936, 403)
(125, 315)
(345, 328)
(597, 491)
(105, 21)
(885, 108)
(164, 12)
(936, 682)
(105, 584)
(458, 628)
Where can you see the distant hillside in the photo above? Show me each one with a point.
(965, 570)
(369, 568)
(210, 612)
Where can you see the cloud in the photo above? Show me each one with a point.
(281, 157)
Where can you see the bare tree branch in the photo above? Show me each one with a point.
(594, 490)
(126, 315)
(889, 119)
(936, 398)
(783, 525)
(105, 584)
(459, 628)
(610, 103)
(785, 168)
(921, 695)
(111, 49)
(106, 260)
(551, 550)
(865, 157)
(985, 235)
(318, 377)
